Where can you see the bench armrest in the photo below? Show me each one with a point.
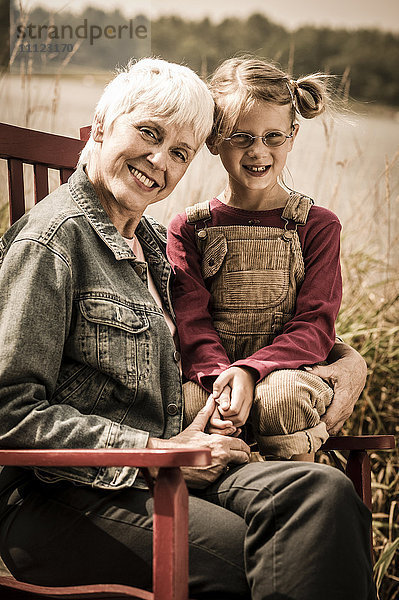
(109, 457)
(360, 442)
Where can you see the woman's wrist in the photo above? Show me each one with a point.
(157, 443)
(341, 350)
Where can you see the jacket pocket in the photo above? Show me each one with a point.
(214, 256)
(72, 377)
(110, 312)
(114, 337)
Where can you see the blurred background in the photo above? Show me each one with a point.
(57, 56)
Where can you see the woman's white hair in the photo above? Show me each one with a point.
(167, 90)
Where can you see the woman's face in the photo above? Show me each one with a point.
(140, 161)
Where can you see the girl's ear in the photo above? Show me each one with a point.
(212, 147)
(211, 144)
(97, 129)
(292, 140)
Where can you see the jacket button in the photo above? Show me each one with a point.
(171, 409)
(176, 355)
(139, 270)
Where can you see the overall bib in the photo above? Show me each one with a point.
(254, 274)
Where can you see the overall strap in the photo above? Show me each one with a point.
(197, 215)
(199, 212)
(297, 208)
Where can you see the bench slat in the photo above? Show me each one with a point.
(65, 175)
(41, 182)
(16, 189)
(360, 442)
(10, 588)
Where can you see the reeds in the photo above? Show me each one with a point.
(368, 320)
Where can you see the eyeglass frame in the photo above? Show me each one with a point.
(259, 137)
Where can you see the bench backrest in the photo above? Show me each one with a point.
(44, 151)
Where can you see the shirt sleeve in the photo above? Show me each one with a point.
(203, 355)
(309, 336)
(36, 289)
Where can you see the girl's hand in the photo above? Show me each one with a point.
(217, 424)
(225, 450)
(242, 381)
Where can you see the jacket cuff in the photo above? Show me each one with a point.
(123, 437)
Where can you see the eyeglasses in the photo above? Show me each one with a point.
(271, 139)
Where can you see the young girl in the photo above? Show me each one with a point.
(258, 282)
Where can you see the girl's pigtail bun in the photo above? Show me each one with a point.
(311, 95)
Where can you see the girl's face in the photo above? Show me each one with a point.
(257, 168)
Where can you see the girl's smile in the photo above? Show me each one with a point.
(257, 170)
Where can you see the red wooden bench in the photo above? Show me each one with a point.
(44, 151)
(170, 533)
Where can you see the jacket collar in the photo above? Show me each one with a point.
(83, 193)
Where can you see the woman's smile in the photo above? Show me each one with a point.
(144, 182)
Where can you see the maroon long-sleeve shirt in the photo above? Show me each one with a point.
(305, 340)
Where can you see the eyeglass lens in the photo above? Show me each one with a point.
(244, 140)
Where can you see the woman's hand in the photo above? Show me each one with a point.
(233, 391)
(347, 375)
(225, 450)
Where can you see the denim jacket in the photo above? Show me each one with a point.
(86, 357)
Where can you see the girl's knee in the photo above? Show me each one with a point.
(290, 391)
(289, 401)
(194, 397)
(290, 384)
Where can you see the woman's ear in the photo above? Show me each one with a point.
(97, 129)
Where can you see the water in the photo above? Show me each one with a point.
(349, 165)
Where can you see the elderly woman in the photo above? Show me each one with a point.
(87, 360)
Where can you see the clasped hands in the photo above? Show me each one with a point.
(233, 392)
(225, 410)
(229, 405)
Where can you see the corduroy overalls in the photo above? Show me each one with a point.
(254, 274)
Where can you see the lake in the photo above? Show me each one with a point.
(349, 164)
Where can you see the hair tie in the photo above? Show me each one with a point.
(294, 83)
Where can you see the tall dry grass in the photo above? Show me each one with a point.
(368, 319)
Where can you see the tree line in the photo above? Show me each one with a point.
(365, 61)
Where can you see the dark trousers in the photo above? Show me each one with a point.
(264, 531)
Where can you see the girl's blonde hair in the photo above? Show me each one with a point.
(239, 82)
(165, 89)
